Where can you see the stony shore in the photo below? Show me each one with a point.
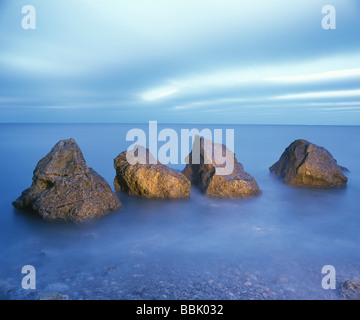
(138, 280)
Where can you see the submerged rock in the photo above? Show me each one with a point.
(149, 178)
(350, 289)
(64, 188)
(53, 296)
(307, 164)
(231, 181)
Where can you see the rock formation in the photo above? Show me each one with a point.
(307, 164)
(64, 188)
(204, 171)
(146, 179)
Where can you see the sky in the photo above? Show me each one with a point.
(180, 61)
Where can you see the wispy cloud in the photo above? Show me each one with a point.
(323, 76)
(11, 100)
(279, 76)
(342, 109)
(172, 58)
(158, 93)
(342, 103)
(25, 64)
(322, 94)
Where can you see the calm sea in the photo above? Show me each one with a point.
(270, 246)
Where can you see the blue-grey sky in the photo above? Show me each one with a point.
(180, 61)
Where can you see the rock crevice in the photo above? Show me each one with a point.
(235, 184)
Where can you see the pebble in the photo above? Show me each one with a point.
(193, 281)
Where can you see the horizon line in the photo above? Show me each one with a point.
(178, 123)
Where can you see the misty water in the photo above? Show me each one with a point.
(272, 246)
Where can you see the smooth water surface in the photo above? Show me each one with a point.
(272, 246)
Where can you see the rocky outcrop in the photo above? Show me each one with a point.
(203, 169)
(307, 164)
(149, 178)
(64, 188)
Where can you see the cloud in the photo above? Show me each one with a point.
(323, 76)
(28, 64)
(343, 109)
(342, 103)
(276, 75)
(322, 94)
(159, 93)
(171, 58)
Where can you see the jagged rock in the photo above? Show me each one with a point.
(64, 188)
(148, 180)
(204, 170)
(350, 290)
(307, 164)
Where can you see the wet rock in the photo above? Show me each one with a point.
(109, 269)
(149, 178)
(64, 188)
(307, 164)
(217, 178)
(350, 290)
(53, 296)
(6, 290)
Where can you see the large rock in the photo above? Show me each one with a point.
(203, 169)
(149, 178)
(64, 188)
(307, 164)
